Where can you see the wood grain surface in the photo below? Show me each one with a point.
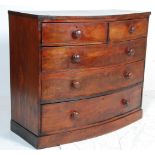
(63, 58)
(126, 30)
(62, 85)
(63, 116)
(67, 33)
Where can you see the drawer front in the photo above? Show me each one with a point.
(75, 57)
(130, 29)
(73, 33)
(79, 83)
(67, 115)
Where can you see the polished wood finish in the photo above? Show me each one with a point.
(24, 60)
(83, 15)
(73, 33)
(60, 85)
(71, 57)
(77, 75)
(130, 29)
(58, 117)
(76, 135)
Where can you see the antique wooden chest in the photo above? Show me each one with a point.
(75, 74)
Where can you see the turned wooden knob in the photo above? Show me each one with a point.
(131, 52)
(76, 84)
(128, 75)
(75, 115)
(125, 102)
(76, 58)
(76, 34)
(132, 29)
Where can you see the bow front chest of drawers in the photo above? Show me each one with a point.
(75, 75)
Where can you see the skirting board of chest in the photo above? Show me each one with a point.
(75, 74)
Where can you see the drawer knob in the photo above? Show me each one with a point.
(76, 34)
(76, 58)
(76, 84)
(131, 52)
(75, 115)
(132, 29)
(125, 102)
(128, 75)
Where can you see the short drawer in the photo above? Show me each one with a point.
(68, 115)
(81, 83)
(73, 33)
(126, 30)
(76, 57)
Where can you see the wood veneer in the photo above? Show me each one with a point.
(67, 33)
(95, 56)
(75, 75)
(62, 85)
(88, 111)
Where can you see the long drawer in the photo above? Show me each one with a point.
(86, 82)
(76, 57)
(77, 114)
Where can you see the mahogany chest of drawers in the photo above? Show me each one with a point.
(75, 75)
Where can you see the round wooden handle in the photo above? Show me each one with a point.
(131, 52)
(125, 102)
(75, 115)
(76, 84)
(76, 58)
(76, 34)
(128, 75)
(132, 29)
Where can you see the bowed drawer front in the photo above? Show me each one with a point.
(76, 57)
(84, 83)
(73, 33)
(126, 30)
(77, 114)
(75, 76)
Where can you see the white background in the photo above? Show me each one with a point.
(136, 137)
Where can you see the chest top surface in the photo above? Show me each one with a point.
(84, 14)
(81, 12)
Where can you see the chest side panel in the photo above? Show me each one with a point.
(24, 70)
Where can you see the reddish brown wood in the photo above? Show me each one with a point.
(57, 117)
(65, 33)
(75, 58)
(63, 58)
(125, 101)
(75, 77)
(74, 115)
(59, 85)
(126, 30)
(77, 34)
(102, 18)
(95, 19)
(24, 70)
(130, 51)
(75, 84)
(76, 135)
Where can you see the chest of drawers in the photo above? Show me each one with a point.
(75, 75)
